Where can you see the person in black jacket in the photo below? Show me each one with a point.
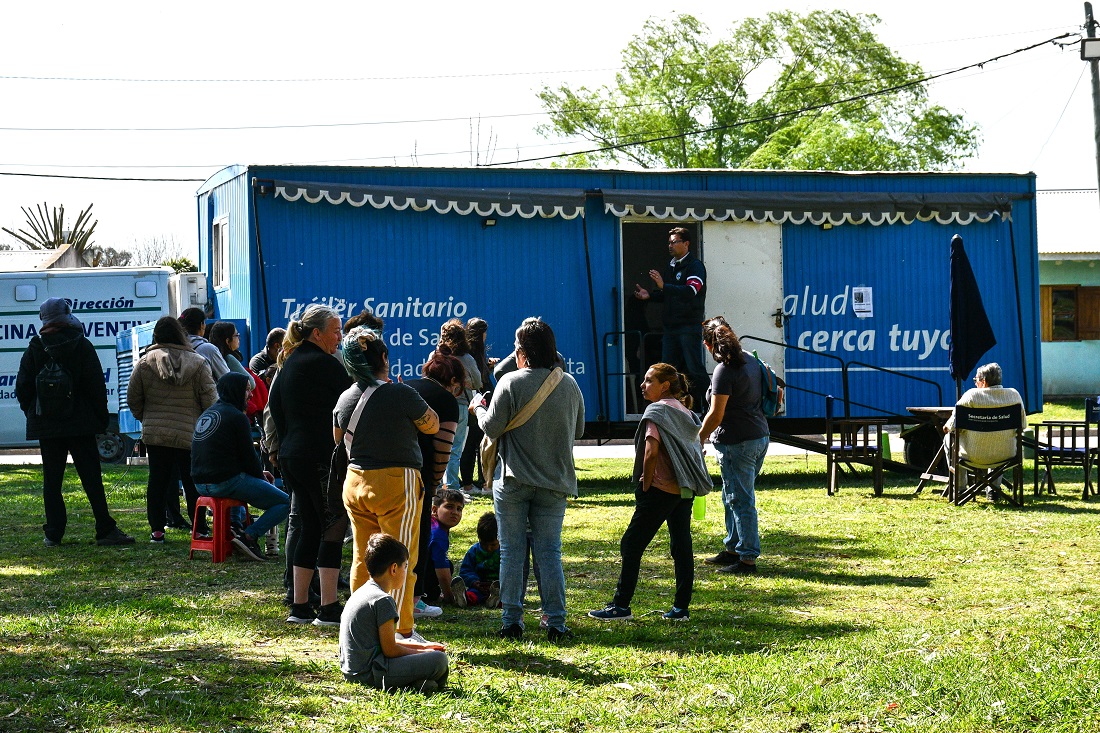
(224, 463)
(683, 290)
(302, 398)
(74, 432)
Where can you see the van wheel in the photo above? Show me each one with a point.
(113, 447)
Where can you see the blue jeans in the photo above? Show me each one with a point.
(452, 478)
(254, 491)
(515, 503)
(682, 347)
(741, 464)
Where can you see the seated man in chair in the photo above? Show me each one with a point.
(986, 448)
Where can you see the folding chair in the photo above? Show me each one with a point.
(1065, 443)
(991, 475)
(852, 440)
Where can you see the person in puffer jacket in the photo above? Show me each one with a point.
(169, 388)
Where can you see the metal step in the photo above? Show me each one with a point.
(818, 446)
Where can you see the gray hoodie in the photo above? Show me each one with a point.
(209, 351)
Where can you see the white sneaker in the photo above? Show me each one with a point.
(413, 636)
(423, 610)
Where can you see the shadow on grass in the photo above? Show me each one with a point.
(524, 660)
(201, 687)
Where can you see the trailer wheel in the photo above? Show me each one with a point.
(113, 447)
(921, 445)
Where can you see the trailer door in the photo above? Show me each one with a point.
(745, 283)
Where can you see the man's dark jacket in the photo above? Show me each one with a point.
(683, 306)
(222, 447)
(77, 355)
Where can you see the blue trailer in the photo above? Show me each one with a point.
(839, 280)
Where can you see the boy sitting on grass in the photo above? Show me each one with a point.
(370, 652)
(478, 580)
(447, 506)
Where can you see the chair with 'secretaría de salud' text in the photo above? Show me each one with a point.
(852, 440)
(969, 476)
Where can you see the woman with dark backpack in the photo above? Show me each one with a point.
(741, 438)
(66, 424)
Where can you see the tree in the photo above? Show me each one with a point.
(156, 250)
(181, 264)
(108, 257)
(49, 232)
(767, 96)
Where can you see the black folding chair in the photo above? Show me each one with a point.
(969, 477)
(852, 440)
(1066, 443)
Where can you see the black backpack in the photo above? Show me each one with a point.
(54, 385)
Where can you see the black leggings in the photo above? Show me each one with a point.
(471, 456)
(652, 509)
(165, 464)
(323, 517)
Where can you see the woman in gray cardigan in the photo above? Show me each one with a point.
(535, 474)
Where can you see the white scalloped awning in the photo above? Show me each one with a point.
(799, 207)
(525, 202)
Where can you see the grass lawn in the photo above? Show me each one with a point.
(892, 613)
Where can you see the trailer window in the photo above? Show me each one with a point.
(219, 252)
(1070, 313)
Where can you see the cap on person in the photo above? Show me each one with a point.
(57, 310)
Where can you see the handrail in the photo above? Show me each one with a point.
(939, 389)
(616, 343)
(843, 366)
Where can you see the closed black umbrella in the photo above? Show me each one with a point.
(971, 334)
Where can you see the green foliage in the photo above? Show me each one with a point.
(181, 264)
(897, 613)
(766, 96)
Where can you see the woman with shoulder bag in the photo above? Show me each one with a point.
(378, 421)
(536, 472)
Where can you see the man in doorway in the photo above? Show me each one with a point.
(683, 290)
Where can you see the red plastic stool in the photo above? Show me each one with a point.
(220, 543)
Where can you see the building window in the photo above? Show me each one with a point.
(219, 252)
(1070, 313)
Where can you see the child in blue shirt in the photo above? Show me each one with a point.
(447, 507)
(478, 580)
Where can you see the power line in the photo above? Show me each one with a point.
(780, 115)
(427, 77)
(303, 80)
(103, 178)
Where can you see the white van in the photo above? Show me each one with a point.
(109, 301)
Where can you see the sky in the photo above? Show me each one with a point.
(141, 90)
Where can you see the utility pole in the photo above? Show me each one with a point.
(1090, 30)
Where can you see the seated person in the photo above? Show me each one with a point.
(986, 448)
(370, 652)
(478, 580)
(447, 507)
(224, 463)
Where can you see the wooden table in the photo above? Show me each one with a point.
(937, 416)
